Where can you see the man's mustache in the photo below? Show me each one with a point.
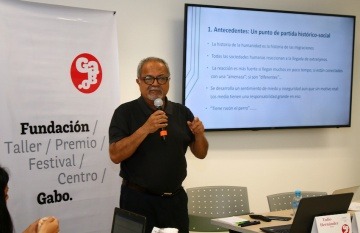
(154, 88)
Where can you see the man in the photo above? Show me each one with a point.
(153, 167)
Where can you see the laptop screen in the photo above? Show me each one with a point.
(127, 222)
(311, 207)
(320, 206)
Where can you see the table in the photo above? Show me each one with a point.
(256, 228)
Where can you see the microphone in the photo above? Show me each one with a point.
(159, 106)
(158, 103)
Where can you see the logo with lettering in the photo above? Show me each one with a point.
(86, 73)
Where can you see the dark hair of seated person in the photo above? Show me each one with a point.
(6, 225)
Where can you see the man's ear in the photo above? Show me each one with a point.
(137, 80)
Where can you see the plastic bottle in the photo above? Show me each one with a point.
(296, 200)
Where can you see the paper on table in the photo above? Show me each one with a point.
(354, 206)
(232, 220)
(164, 230)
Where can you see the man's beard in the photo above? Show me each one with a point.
(154, 93)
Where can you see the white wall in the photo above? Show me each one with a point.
(268, 161)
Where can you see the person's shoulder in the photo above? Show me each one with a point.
(177, 105)
(180, 107)
(127, 105)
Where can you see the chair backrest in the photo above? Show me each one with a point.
(208, 202)
(282, 201)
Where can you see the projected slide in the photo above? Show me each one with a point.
(262, 69)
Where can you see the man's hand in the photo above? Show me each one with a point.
(196, 126)
(156, 121)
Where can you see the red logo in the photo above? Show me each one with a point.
(345, 228)
(86, 73)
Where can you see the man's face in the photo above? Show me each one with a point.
(153, 91)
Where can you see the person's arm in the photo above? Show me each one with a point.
(43, 225)
(125, 147)
(199, 147)
(32, 228)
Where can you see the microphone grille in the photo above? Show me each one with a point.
(158, 102)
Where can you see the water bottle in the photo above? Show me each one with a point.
(296, 200)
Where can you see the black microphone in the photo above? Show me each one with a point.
(159, 106)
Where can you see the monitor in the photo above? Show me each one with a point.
(267, 69)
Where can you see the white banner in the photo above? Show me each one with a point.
(59, 86)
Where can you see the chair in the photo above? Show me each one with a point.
(208, 202)
(282, 201)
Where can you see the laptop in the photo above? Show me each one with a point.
(127, 222)
(309, 208)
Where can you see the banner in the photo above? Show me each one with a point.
(59, 86)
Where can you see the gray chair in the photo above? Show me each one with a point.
(209, 202)
(282, 201)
